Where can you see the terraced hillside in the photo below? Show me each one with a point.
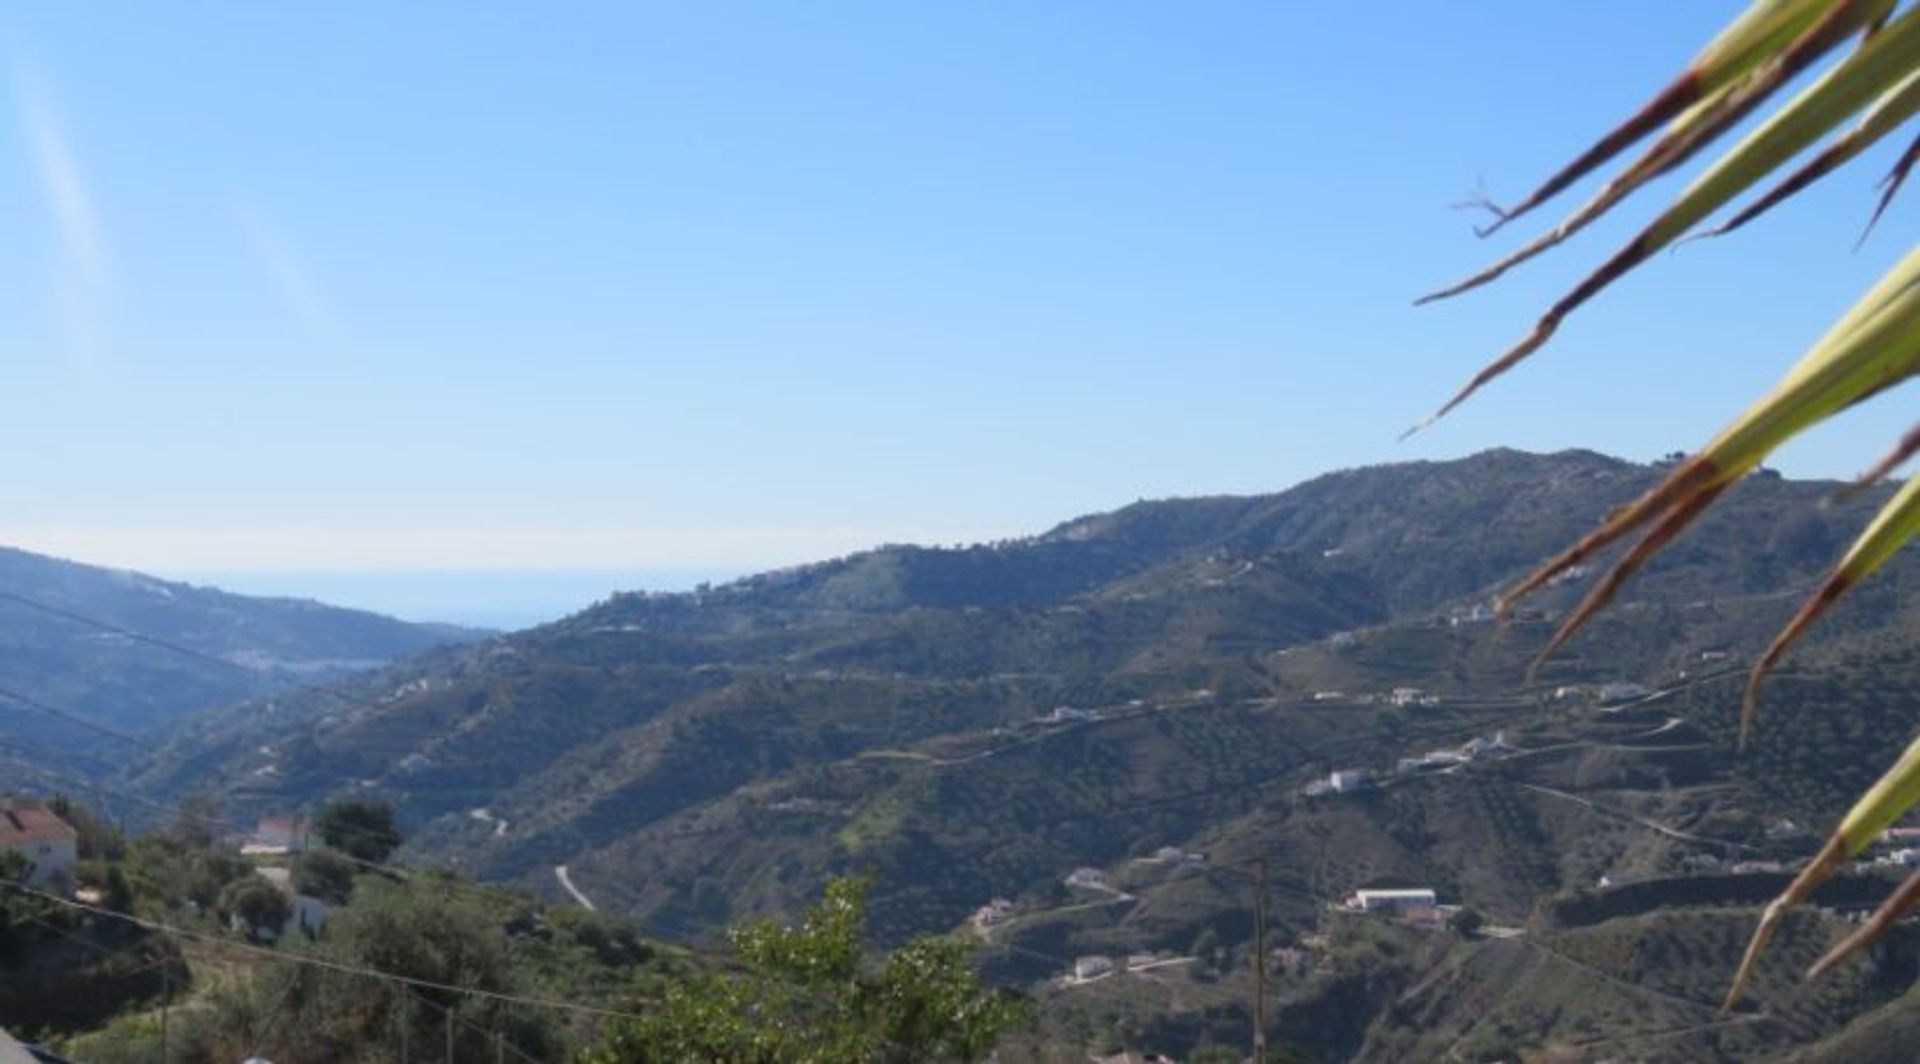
(975, 724)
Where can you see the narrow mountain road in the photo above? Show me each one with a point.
(1651, 825)
(560, 873)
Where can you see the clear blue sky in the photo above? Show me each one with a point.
(708, 287)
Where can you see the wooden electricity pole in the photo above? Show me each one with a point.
(166, 1003)
(1260, 960)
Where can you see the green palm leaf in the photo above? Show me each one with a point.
(1876, 67)
(1874, 346)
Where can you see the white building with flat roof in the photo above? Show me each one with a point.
(1088, 879)
(1093, 967)
(1349, 780)
(1393, 901)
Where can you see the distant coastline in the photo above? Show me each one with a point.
(505, 599)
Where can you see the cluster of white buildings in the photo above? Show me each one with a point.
(50, 848)
(1355, 780)
(1403, 697)
(1622, 691)
(1611, 693)
(1474, 749)
(1068, 715)
(1903, 849)
(992, 914)
(1098, 965)
(1088, 879)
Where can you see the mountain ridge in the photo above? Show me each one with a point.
(970, 723)
(133, 653)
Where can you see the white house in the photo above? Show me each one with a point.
(992, 913)
(275, 835)
(305, 913)
(1621, 691)
(1089, 878)
(1093, 967)
(1406, 696)
(1393, 901)
(415, 762)
(1069, 714)
(1349, 780)
(1479, 614)
(47, 843)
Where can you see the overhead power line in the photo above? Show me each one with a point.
(321, 962)
(72, 718)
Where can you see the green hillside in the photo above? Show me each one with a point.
(88, 641)
(973, 724)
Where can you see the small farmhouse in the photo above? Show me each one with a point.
(275, 835)
(1093, 967)
(1088, 879)
(47, 843)
(1349, 780)
(1622, 691)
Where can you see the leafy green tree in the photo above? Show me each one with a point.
(168, 871)
(325, 875)
(361, 829)
(423, 929)
(196, 822)
(808, 994)
(1205, 945)
(107, 878)
(1467, 920)
(95, 837)
(258, 903)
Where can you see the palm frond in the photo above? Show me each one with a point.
(1760, 31)
(1883, 804)
(1879, 65)
(1859, 100)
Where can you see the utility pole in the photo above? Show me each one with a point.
(1260, 960)
(166, 1003)
(449, 1036)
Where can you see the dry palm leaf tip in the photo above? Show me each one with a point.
(1868, 90)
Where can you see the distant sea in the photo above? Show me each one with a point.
(506, 599)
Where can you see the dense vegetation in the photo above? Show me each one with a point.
(429, 966)
(955, 728)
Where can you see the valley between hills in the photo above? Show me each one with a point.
(975, 727)
(1077, 751)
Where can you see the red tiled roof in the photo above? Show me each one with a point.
(31, 824)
